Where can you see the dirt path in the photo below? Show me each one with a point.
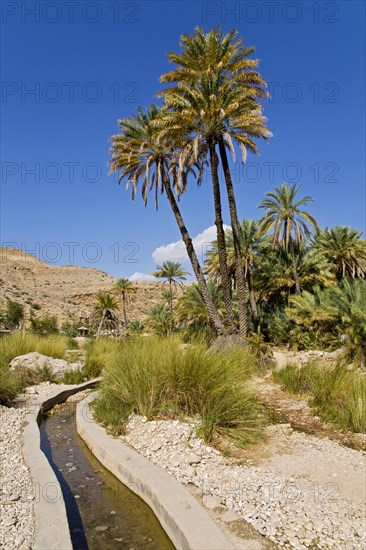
(297, 412)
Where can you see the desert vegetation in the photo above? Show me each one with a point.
(159, 379)
(277, 279)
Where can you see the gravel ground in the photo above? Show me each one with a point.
(16, 492)
(300, 491)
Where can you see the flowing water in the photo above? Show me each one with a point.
(102, 512)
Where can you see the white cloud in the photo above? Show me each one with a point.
(142, 278)
(176, 252)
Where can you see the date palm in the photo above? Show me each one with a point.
(215, 104)
(141, 154)
(106, 311)
(125, 289)
(174, 273)
(191, 308)
(344, 249)
(250, 241)
(160, 319)
(274, 275)
(283, 215)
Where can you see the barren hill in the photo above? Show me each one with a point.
(65, 291)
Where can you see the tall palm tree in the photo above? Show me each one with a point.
(140, 153)
(125, 288)
(215, 102)
(344, 249)
(288, 221)
(106, 311)
(250, 241)
(174, 273)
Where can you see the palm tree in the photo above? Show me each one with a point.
(344, 249)
(335, 309)
(273, 277)
(250, 240)
(174, 273)
(215, 103)
(140, 153)
(125, 288)
(192, 312)
(160, 319)
(288, 221)
(106, 311)
(191, 307)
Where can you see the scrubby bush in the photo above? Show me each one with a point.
(158, 378)
(12, 316)
(44, 325)
(70, 329)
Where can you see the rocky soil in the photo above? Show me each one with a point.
(16, 490)
(68, 291)
(298, 490)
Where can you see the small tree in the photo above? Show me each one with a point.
(14, 315)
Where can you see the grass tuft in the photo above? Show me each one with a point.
(158, 378)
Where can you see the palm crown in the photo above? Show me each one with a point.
(343, 247)
(284, 215)
(217, 91)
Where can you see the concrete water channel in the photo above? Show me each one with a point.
(101, 511)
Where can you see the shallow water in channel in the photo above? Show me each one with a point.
(102, 512)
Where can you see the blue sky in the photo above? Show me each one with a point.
(90, 63)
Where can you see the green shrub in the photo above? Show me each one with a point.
(14, 314)
(70, 329)
(44, 325)
(157, 377)
(338, 394)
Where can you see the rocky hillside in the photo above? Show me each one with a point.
(65, 291)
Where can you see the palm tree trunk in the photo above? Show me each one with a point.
(124, 309)
(100, 325)
(214, 317)
(171, 296)
(252, 300)
(240, 274)
(221, 242)
(294, 269)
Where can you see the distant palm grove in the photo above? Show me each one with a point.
(281, 279)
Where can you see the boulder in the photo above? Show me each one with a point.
(34, 361)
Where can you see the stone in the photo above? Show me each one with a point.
(34, 361)
(101, 528)
(194, 459)
(156, 445)
(189, 471)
